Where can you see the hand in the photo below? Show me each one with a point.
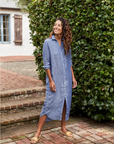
(52, 86)
(74, 83)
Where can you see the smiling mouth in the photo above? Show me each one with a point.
(56, 30)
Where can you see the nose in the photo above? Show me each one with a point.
(56, 26)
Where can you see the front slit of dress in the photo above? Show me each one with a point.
(63, 107)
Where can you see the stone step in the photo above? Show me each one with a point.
(19, 119)
(22, 93)
(16, 106)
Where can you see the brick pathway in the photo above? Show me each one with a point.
(84, 133)
(16, 58)
(11, 80)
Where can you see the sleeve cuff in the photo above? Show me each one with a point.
(46, 67)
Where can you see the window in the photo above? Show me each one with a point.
(4, 28)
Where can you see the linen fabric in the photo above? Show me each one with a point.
(59, 64)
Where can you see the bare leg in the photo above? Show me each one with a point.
(63, 118)
(41, 122)
(63, 128)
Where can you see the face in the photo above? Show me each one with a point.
(57, 27)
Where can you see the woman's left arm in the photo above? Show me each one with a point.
(73, 79)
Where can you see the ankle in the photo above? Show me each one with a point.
(63, 128)
(37, 134)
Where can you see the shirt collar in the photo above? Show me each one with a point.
(53, 37)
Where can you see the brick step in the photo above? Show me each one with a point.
(22, 93)
(19, 119)
(21, 105)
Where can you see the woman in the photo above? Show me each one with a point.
(59, 77)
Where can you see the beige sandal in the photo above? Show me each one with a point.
(35, 139)
(68, 133)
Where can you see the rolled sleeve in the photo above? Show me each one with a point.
(46, 56)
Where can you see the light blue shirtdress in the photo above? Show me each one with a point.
(60, 68)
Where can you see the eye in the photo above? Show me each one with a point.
(59, 25)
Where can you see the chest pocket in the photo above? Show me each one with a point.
(56, 50)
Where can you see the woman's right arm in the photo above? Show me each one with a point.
(47, 65)
(52, 84)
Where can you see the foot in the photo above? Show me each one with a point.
(35, 138)
(65, 131)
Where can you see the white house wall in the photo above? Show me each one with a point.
(12, 49)
(8, 3)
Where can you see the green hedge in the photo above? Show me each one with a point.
(92, 24)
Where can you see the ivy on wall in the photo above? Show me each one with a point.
(92, 25)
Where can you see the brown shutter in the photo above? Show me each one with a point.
(18, 29)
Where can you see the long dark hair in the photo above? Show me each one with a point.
(67, 35)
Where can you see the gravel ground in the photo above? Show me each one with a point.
(27, 68)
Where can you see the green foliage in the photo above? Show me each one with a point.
(22, 4)
(92, 24)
